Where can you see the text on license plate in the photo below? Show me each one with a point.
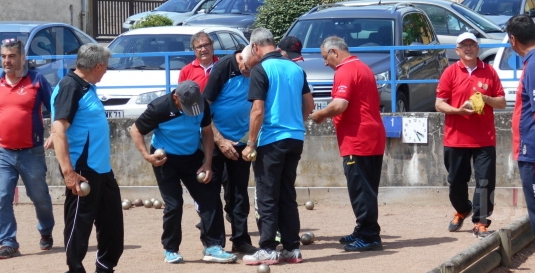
(320, 105)
(114, 114)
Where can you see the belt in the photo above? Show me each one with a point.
(16, 149)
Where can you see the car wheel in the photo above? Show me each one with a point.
(401, 102)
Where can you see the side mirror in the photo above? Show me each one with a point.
(531, 13)
(415, 52)
(475, 32)
(36, 63)
(201, 11)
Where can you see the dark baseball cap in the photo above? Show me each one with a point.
(189, 94)
(292, 45)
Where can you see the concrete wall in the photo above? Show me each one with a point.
(320, 165)
(44, 10)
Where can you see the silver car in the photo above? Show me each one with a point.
(450, 19)
(176, 10)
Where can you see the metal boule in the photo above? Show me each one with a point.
(306, 239)
(309, 205)
(160, 153)
(85, 188)
(263, 268)
(201, 176)
(126, 205)
(157, 204)
(147, 203)
(138, 202)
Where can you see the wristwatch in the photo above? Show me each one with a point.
(251, 144)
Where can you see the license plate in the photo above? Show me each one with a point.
(320, 105)
(510, 95)
(114, 114)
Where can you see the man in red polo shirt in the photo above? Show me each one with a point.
(468, 135)
(199, 70)
(22, 152)
(361, 139)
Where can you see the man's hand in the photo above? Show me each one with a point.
(466, 109)
(72, 181)
(155, 160)
(49, 143)
(246, 153)
(227, 148)
(207, 168)
(316, 118)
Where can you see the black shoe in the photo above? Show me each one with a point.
(7, 252)
(348, 239)
(244, 249)
(364, 245)
(198, 226)
(46, 242)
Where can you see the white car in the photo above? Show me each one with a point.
(176, 10)
(504, 64)
(122, 90)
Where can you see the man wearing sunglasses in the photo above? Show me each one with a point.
(22, 153)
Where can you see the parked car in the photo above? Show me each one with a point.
(375, 26)
(505, 63)
(239, 14)
(126, 73)
(45, 39)
(499, 11)
(176, 10)
(450, 19)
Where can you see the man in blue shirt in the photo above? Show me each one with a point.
(521, 31)
(226, 91)
(175, 120)
(281, 102)
(81, 137)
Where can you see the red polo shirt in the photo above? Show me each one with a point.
(20, 111)
(359, 128)
(456, 85)
(195, 72)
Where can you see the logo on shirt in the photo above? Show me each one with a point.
(534, 94)
(524, 149)
(21, 91)
(103, 98)
(171, 114)
(342, 88)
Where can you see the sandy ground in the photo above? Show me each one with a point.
(415, 240)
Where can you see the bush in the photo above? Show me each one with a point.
(153, 20)
(278, 15)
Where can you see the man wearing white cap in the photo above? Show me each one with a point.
(467, 93)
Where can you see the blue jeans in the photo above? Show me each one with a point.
(31, 166)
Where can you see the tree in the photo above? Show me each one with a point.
(153, 20)
(278, 15)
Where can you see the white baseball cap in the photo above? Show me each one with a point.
(466, 36)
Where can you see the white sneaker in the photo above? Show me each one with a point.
(292, 257)
(262, 256)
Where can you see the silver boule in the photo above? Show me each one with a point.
(152, 200)
(309, 205)
(157, 204)
(138, 202)
(85, 188)
(126, 205)
(306, 239)
(160, 153)
(201, 176)
(263, 268)
(147, 203)
(312, 236)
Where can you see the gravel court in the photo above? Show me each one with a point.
(415, 239)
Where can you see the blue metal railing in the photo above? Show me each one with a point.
(392, 49)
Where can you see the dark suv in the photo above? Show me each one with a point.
(375, 26)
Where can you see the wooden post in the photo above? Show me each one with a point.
(505, 247)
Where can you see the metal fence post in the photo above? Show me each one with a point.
(505, 247)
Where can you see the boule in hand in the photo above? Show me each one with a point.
(201, 176)
(252, 155)
(85, 188)
(160, 153)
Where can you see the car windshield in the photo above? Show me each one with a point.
(476, 19)
(510, 60)
(178, 5)
(494, 7)
(357, 32)
(150, 43)
(236, 6)
(21, 36)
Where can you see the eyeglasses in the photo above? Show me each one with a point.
(207, 45)
(467, 46)
(327, 55)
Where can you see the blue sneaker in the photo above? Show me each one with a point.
(217, 254)
(173, 257)
(347, 239)
(363, 245)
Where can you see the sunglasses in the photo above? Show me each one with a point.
(9, 41)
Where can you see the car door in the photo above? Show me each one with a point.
(44, 44)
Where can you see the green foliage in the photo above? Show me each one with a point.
(278, 15)
(153, 20)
